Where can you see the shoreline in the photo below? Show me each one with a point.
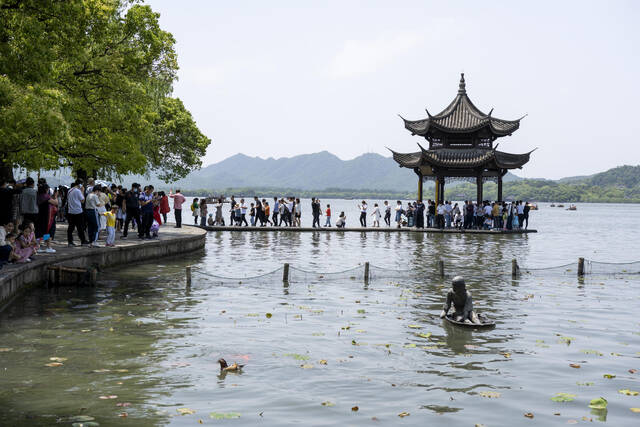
(15, 278)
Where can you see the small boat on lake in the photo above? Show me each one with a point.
(486, 323)
(552, 205)
(561, 206)
(572, 208)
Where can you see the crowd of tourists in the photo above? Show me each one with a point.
(287, 212)
(93, 211)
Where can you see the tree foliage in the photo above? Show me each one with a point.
(87, 84)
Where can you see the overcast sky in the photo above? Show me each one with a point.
(281, 78)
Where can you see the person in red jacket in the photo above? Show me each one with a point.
(164, 206)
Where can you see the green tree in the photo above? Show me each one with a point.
(87, 85)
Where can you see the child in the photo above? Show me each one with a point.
(155, 227)
(327, 222)
(210, 221)
(342, 220)
(238, 217)
(376, 215)
(26, 244)
(516, 222)
(111, 225)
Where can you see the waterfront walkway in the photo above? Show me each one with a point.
(363, 230)
(172, 241)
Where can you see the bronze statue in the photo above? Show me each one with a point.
(462, 303)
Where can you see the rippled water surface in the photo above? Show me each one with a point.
(143, 336)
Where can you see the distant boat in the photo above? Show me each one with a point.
(561, 206)
(572, 208)
(552, 205)
(533, 206)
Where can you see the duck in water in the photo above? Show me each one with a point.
(224, 367)
(462, 303)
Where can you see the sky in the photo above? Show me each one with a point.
(282, 78)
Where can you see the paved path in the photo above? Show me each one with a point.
(172, 241)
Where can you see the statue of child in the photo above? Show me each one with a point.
(462, 303)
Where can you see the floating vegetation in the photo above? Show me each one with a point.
(563, 397)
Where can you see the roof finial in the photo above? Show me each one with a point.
(462, 88)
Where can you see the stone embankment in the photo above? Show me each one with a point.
(172, 241)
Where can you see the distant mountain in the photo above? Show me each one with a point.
(316, 171)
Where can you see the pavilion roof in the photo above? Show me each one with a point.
(461, 158)
(462, 116)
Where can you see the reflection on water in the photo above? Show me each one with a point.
(145, 338)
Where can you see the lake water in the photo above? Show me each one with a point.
(324, 344)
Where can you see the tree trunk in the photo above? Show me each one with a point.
(6, 172)
(81, 174)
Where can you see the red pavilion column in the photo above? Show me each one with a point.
(479, 188)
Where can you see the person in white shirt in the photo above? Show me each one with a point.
(363, 213)
(440, 215)
(376, 215)
(75, 216)
(387, 213)
(399, 213)
(447, 214)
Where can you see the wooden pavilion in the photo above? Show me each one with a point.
(461, 146)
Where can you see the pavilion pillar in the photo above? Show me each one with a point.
(437, 189)
(419, 187)
(442, 181)
(479, 188)
(500, 188)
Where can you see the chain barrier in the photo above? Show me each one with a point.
(367, 272)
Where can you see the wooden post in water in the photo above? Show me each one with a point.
(580, 267)
(514, 268)
(366, 272)
(441, 268)
(285, 273)
(188, 276)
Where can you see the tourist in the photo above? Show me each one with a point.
(164, 205)
(178, 200)
(156, 208)
(440, 216)
(387, 214)
(376, 215)
(210, 221)
(283, 212)
(47, 210)
(291, 214)
(237, 215)
(516, 218)
(28, 202)
(363, 213)
(120, 204)
(132, 209)
(342, 220)
(315, 212)
(520, 210)
(195, 210)
(243, 214)
(252, 214)
(447, 213)
(110, 216)
(146, 213)
(7, 242)
(102, 208)
(399, 213)
(419, 214)
(232, 215)
(525, 215)
(26, 244)
(410, 215)
(267, 212)
(276, 211)
(298, 209)
(203, 212)
(219, 217)
(7, 200)
(91, 214)
(327, 216)
(259, 214)
(75, 199)
(431, 214)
